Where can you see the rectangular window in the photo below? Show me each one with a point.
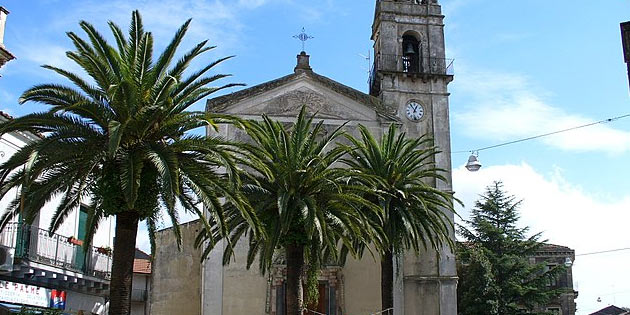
(553, 282)
(554, 310)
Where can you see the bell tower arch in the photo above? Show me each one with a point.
(411, 75)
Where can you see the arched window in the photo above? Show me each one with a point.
(411, 54)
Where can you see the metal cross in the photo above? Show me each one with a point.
(303, 37)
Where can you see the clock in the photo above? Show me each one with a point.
(415, 111)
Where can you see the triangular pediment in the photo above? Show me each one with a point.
(284, 97)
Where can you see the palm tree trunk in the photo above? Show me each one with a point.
(387, 280)
(295, 270)
(122, 264)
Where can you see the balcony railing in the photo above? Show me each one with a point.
(38, 245)
(414, 64)
(411, 64)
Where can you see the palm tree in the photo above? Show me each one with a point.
(307, 210)
(401, 173)
(120, 144)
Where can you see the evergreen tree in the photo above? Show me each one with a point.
(495, 274)
(475, 273)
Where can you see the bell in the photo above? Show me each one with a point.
(409, 50)
(473, 164)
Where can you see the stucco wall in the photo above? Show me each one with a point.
(244, 291)
(176, 283)
(362, 285)
(139, 282)
(78, 301)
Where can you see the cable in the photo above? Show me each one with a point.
(604, 251)
(605, 121)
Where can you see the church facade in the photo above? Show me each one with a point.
(408, 87)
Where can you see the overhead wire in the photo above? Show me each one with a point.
(604, 121)
(604, 251)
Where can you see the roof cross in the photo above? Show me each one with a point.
(303, 37)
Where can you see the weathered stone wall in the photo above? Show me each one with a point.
(554, 255)
(176, 278)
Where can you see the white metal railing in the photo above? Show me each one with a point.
(39, 245)
(8, 235)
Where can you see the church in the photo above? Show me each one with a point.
(407, 87)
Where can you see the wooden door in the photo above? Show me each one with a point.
(321, 306)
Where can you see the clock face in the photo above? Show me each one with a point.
(415, 112)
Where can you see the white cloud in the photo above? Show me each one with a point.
(217, 21)
(48, 54)
(507, 107)
(214, 19)
(142, 239)
(567, 215)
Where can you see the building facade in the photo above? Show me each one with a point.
(141, 284)
(51, 265)
(5, 55)
(552, 256)
(408, 87)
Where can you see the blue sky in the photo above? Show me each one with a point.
(522, 68)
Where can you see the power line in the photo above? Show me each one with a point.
(605, 121)
(604, 251)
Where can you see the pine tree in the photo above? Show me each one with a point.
(495, 274)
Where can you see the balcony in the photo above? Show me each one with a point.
(412, 65)
(38, 253)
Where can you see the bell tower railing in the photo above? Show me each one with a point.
(411, 64)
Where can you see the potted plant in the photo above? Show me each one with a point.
(105, 250)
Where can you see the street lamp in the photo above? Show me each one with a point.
(567, 262)
(473, 164)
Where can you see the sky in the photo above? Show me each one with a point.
(522, 68)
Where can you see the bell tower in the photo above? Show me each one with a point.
(411, 76)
